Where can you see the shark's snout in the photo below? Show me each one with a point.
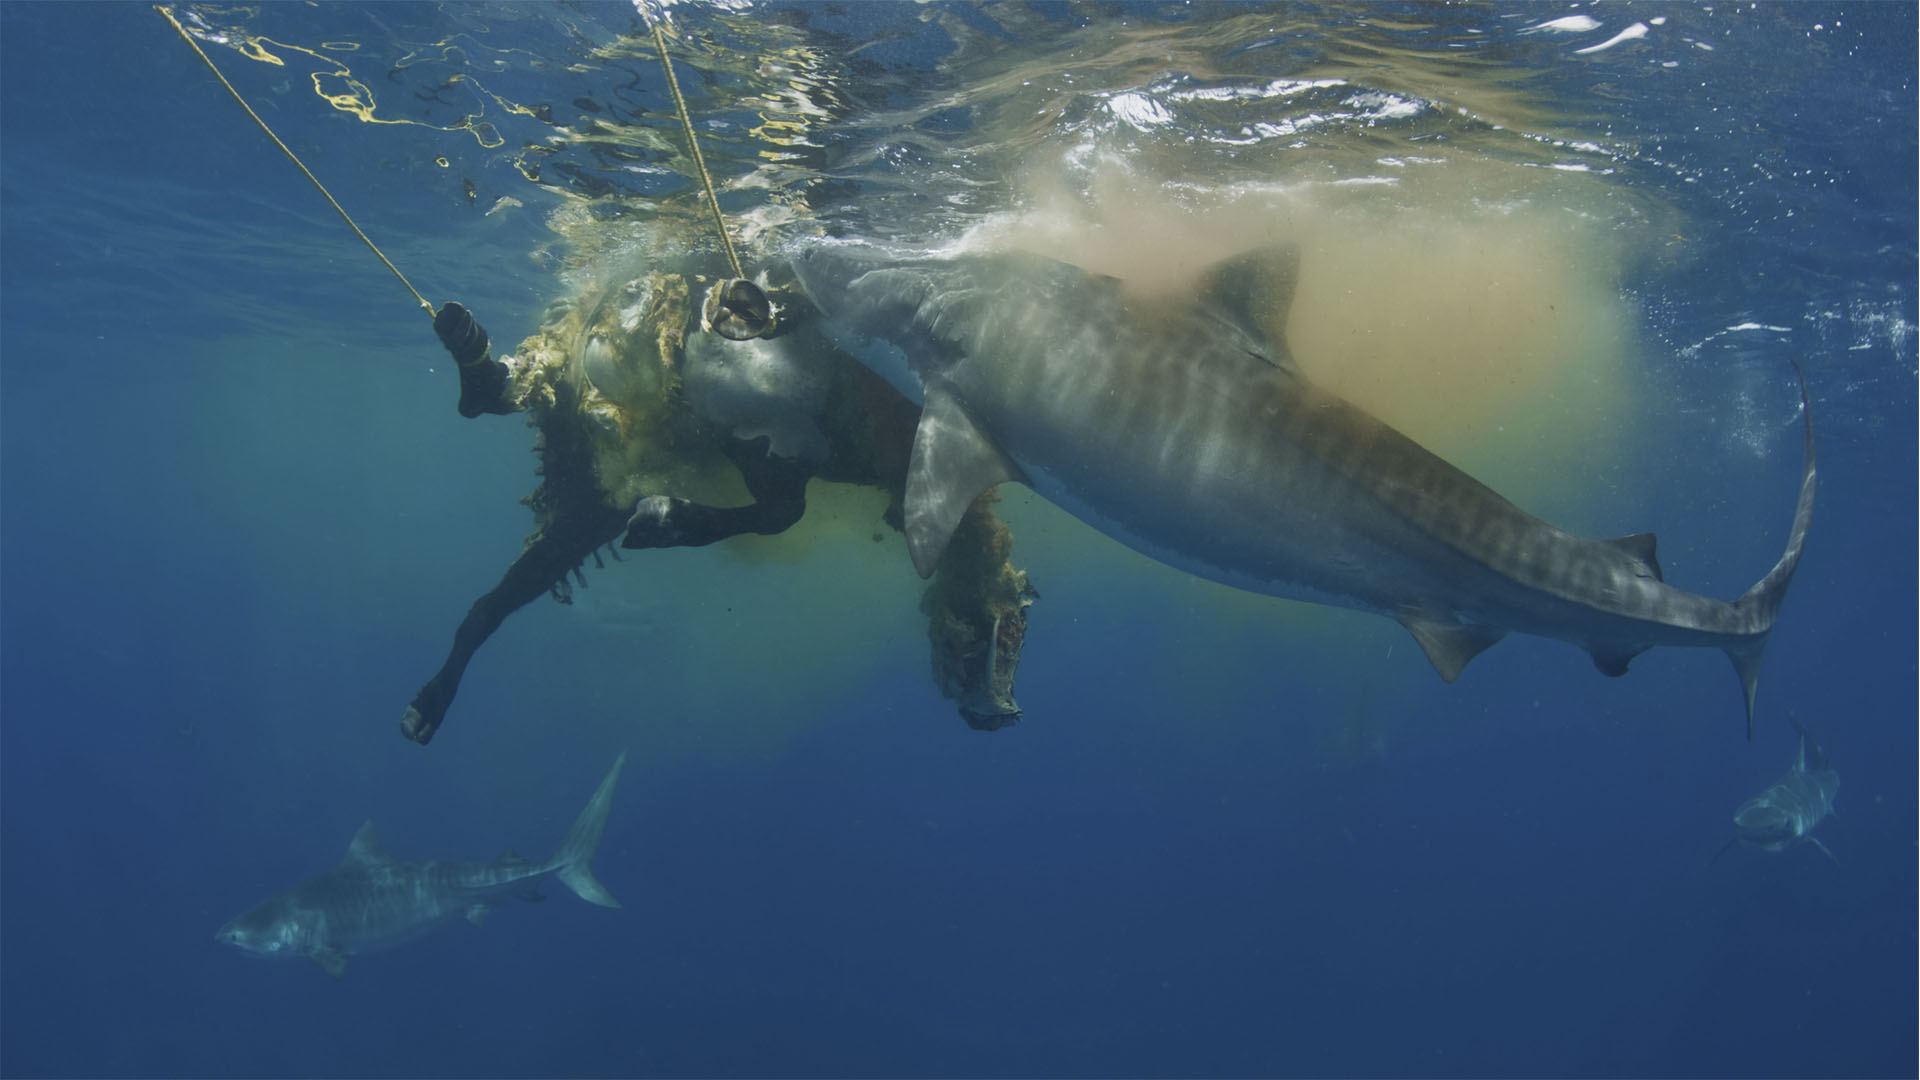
(252, 938)
(829, 272)
(1763, 821)
(822, 274)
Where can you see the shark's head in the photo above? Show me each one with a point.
(827, 271)
(1765, 823)
(270, 930)
(864, 298)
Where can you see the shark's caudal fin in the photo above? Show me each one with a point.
(573, 863)
(1762, 602)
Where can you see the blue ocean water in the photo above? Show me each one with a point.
(240, 519)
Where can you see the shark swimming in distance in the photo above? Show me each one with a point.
(1784, 815)
(372, 901)
(1185, 431)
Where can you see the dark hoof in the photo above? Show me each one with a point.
(417, 727)
(462, 336)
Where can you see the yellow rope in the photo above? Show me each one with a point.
(204, 58)
(700, 162)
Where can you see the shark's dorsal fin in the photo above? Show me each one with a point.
(1641, 547)
(1810, 758)
(365, 845)
(1255, 289)
(952, 463)
(1450, 645)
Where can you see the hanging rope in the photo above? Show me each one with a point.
(205, 59)
(693, 143)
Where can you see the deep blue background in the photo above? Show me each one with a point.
(240, 519)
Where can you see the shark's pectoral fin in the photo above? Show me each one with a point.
(1641, 546)
(331, 960)
(952, 463)
(1815, 841)
(477, 914)
(1449, 645)
(1613, 662)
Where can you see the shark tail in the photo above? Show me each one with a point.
(1761, 604)
(573, 863)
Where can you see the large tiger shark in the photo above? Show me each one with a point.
(371, 900)
(1185, 431)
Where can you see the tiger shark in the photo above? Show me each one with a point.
(372, 901)
(1785, 813)
(1185, 431)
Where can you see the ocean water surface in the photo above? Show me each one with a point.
(1576, 249)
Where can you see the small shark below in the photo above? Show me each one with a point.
(1784, 815)
(372, 900)
(1184, 430)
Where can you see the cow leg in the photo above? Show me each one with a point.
(545, 563)
(778, 486)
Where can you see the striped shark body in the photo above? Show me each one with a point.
(372, 901)
(1784, 815)
(1186, 432)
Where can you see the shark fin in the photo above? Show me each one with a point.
(1724, 848)
(331, 960)
(1815, 841)
(952, 463)
(1811, 757)
(365, 845)
(1450, 645)
(1761, 604)
(1746, 664)
(1613, 662)
(1640, 546)
(573, 863)
(477, 914)
(1255, 289)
